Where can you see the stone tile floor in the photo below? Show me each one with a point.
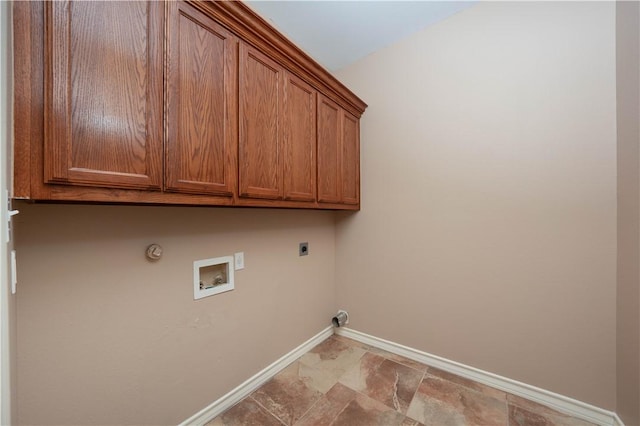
(344, 382)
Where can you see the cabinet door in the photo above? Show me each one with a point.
(299, 139)
(329, 135)
(260, 165)
(201, 104)
(103, 93)
(350, 168)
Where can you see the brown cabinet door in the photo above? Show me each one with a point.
(103, 93)
(329, 135)
(350, 169)
(259, 148)
(200, 150)
(299, 139)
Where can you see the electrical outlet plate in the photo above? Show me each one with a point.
(303, 249)
(239, 260)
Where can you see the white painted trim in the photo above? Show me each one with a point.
(236, 395)
(6, 140)
(558, 402)
(617, 421)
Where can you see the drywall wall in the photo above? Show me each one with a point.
(488, 226)
(628, 111)
(107, 337)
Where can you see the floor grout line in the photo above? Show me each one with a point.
(424, 373)
(341, 411)
(265, 408)
(310, 408)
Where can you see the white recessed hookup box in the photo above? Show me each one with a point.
(212, 276)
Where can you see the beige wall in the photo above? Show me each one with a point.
(628, 99)
(488, 226)
(106, 337)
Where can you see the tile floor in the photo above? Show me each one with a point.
(344, 382)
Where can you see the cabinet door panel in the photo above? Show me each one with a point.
(299, 140)
(260, 167)
(201, 104)
(350, 172)
(329, 134)
(103, 94)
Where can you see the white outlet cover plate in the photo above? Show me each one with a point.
(239, 260)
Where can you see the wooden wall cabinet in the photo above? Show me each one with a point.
(329, 136)
(178, 102)
(350, 159)
(200, 147)
(299, 139)
(338, 154)
(103, 94)
(277, 131)
(260, 116)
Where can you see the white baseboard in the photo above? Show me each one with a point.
(617, 421)
(236, 395)
(558, 402)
